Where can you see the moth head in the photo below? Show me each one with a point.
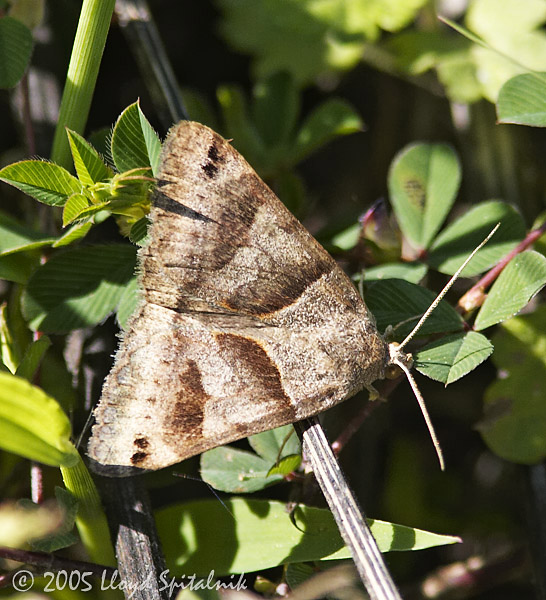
(397, 355)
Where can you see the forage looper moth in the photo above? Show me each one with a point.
(245, 322)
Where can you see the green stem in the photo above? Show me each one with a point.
(82, 73)
(91, 521)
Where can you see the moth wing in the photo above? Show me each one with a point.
(246, 322)
(221, 241)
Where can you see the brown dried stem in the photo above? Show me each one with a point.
(44, 560)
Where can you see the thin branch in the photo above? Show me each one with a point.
(475, 295)
(138, 549)
(348, 515)
(44, 560)
(137, 24)
(387, 388)
(353, 426)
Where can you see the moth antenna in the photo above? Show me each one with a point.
(446, 289)
(86, 426)
(424, 411)
(201, 480)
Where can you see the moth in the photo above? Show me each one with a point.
(245, 322)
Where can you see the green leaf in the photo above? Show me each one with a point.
(456, 242)
(286, 36)
(298, 573)
(75, 205)
(423, 182)
(32, 358)
(9, 348)
(64, 536)
(412, 272)
(308, 38)
(134, 142)
(521, 279)
(73, 234)
(44, 181)
(29, 12)
(236, 471)
(89, 165)
(329, 120)
(275, 443)
(15, 51)
(348, 238)
(100, 140)
(285, 466)
(232, 470)
(395, 301)
(58, 382)
(458, 74)
(128, 302)
(33, 425)
(522, 100)
(139, 232)
(514, 423)
(513, 40)
(18, 267)
(81, 210)
(21, 337)
(78, 288)
(260, 534)
(452, 357)
(276, 108)
(417, 51)
(15, 237)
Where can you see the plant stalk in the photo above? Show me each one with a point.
(82, 74)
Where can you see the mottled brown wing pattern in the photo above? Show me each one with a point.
(222, 239)
(245, 324)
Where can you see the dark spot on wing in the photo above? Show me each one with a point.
(141, 443)
(213, 153)
(187, 413)
(138, 457)
(210, 170)
(215, 158)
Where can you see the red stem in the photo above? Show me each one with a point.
(475, 296)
